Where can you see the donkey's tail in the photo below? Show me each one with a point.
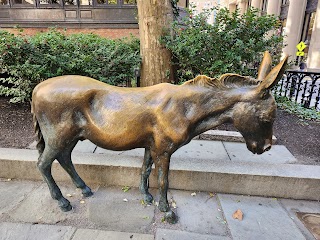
(37, 130)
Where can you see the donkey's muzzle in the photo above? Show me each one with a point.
(256, 149)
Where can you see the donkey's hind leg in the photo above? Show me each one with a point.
(145, 173)
(44, 164)
(64, 159)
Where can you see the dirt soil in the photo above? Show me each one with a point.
(302, 138)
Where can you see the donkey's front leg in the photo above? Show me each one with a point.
(162, 163)
(145, 173)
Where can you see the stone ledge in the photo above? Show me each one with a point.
(227, 136)
(261, 179)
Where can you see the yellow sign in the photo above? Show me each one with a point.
(301, 46)
(300, 54)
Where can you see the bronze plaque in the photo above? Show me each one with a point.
(312, 222)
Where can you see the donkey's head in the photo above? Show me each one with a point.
(254, 115)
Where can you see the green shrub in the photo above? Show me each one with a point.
(32, 59)
(295, 108)
(234, 43)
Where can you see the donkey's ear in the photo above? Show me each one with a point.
(265, 66)
(274, 76)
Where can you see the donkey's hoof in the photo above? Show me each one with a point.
(86, 192)
(164, 206)
(148, 198)
(171, 217)
(65, 205)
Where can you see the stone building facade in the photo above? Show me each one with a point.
(109, 18)
(300, 22)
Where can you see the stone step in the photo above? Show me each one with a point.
(227, 136)
(199, 166)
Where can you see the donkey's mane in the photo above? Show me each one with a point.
(227, 80)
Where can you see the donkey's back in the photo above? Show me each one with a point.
(72, 108)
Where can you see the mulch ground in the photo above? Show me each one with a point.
(302, 138)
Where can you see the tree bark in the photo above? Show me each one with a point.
(154, 17)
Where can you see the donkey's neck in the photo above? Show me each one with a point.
(216, 108)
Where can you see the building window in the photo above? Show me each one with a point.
(264, 6)
(67, 3)
(307, 30)
(24, 2)
(108, 2)
(129, 2)
(4, 2)
(70, 2)
(50, 2)
(283, 27)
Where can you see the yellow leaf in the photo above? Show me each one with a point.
(125, 188)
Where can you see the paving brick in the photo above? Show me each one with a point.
(85, 234)
(168, 234)
(114, 209)
(39, 207)
(263, 218)
(238, 152)
(294, 206)
(13, 193)
(21, 231)
(200, 213)
(196, 149)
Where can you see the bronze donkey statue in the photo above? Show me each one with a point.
(159, 118)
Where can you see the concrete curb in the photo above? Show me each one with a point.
(260, 179)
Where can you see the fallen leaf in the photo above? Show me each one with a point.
(82, 201)
(125, 200)
(147, 217)
(69, 195)
(142, 202)
(238, 215)
(125, 188)
(211, 194)
(193, 194)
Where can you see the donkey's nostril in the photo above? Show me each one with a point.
(266, 147)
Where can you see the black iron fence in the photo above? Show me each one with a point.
(302, 87)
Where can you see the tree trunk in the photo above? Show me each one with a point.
(154, 17)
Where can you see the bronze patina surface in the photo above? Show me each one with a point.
(312, 222)
(159, 118)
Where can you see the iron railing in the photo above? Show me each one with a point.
(302, 87)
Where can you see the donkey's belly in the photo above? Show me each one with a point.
(113, 138)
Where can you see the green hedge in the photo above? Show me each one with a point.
(32, 59)
(234, 43)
